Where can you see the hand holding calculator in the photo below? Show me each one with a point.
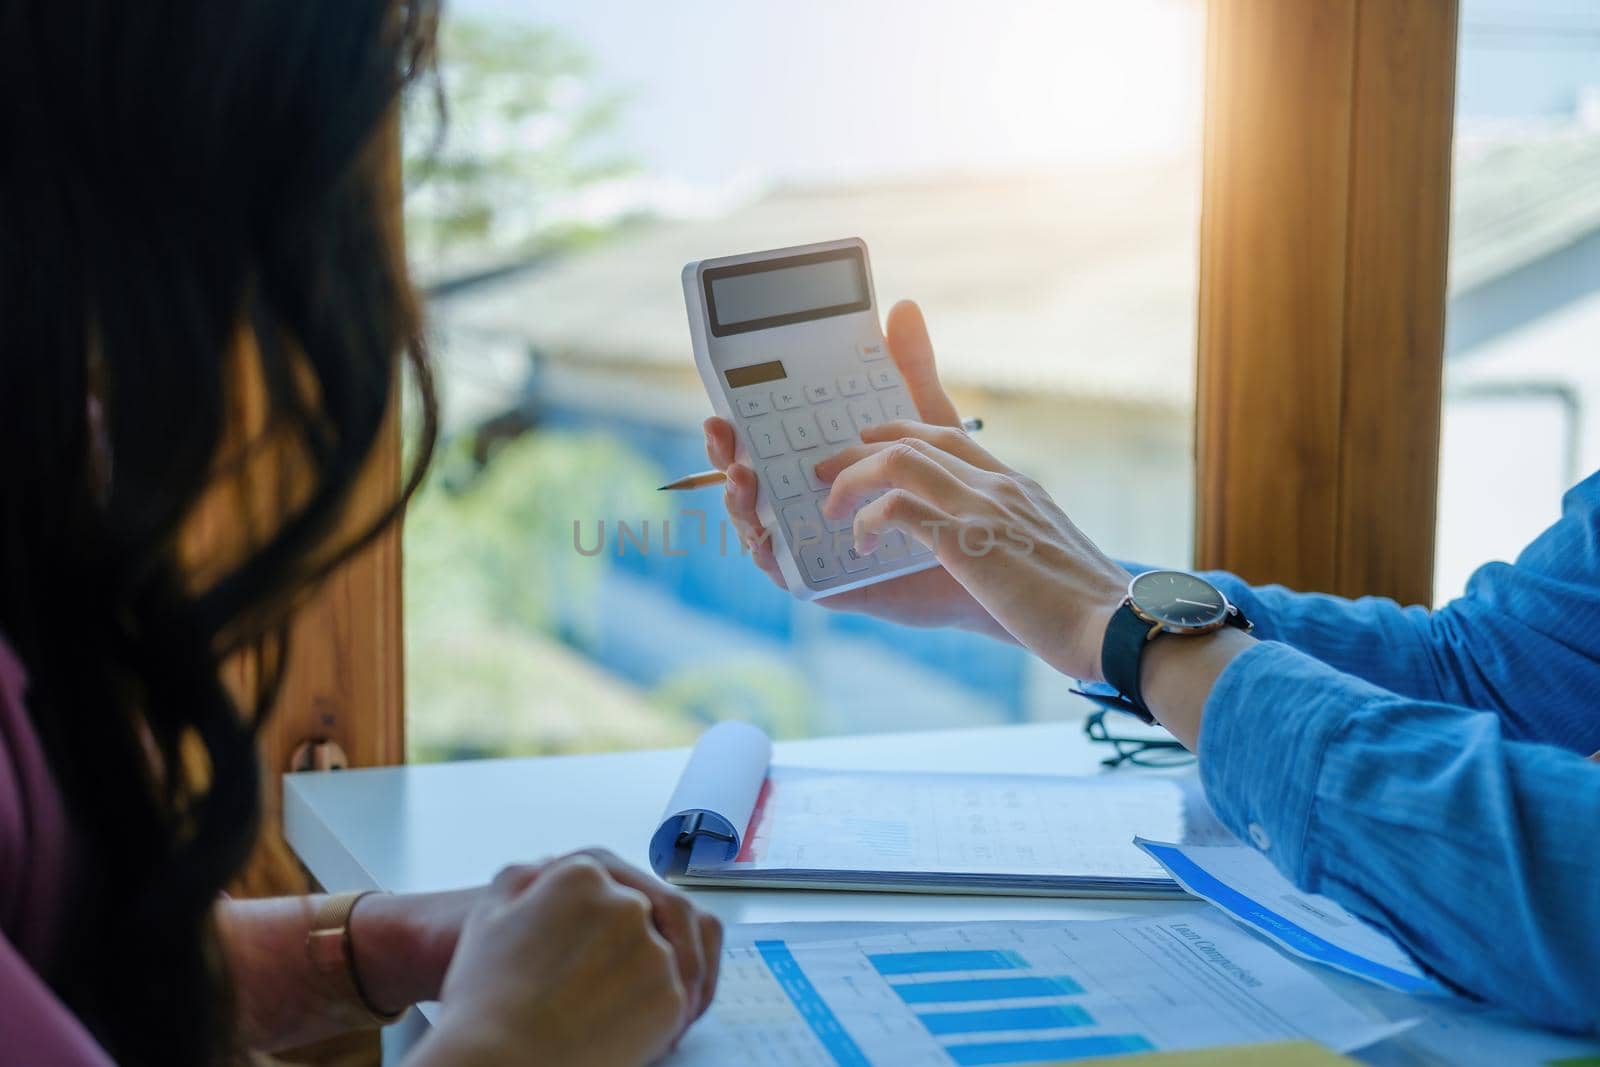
(789, 347)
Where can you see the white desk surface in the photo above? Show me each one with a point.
(447, 825)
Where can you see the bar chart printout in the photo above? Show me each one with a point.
(1010, 993)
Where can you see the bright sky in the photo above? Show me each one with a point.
(733, 93)
(730, 94)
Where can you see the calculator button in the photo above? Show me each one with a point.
(818, 393)
(851, 560)
(874, 350)
(786, 399)
(751, 405)
(784, 479)
(808, 467)
(766, 437)
(836, 425)
(883, 378)
(853, 385)
(801, 430)
(820, 564)
(803, 524)
(897, 405)
(838, 525)
(864, 413)
(892, 549)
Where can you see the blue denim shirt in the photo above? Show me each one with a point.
(1427, 769)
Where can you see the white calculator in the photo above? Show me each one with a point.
(791, 352)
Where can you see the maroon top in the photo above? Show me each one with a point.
(34, 847)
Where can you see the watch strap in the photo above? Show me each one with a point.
(1121, 654)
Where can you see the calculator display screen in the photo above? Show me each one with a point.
(781, 292)
(739, 377)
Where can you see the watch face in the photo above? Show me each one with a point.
(1179, 600)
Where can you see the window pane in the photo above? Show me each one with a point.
(1520, 410)
(1028, 173)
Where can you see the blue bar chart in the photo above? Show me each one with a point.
(937, 983)
(962, 990)
(1011, 994)
(1051, 1051)
(990, 1020)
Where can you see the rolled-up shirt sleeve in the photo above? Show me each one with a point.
(1478, 853)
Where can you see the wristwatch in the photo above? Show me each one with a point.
(1159, 602)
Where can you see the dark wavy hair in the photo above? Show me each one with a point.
(195, 195)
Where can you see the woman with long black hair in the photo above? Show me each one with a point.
(192, 198)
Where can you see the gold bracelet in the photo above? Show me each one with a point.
(332, 956)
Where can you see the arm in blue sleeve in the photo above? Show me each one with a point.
(1372, 638)
(1523, 641)
(1474, 851)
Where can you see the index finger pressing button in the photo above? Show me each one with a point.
(808, 467)
(852, 560)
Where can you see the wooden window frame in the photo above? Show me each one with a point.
(1324, 239)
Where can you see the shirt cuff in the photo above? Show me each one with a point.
(1267, 723)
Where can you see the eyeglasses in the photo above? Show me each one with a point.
(1139, 751)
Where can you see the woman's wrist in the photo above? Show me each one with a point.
(401, 945)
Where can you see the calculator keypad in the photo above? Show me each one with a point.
(796, 424)
(783, 478)
(864, 413)
(801, 430)
(835, 424)
(766, 437)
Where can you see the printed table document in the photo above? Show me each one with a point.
(1245, 885)
(737, 820)
(1452, 1030)
(918, 995)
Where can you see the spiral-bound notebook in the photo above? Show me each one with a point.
(735, 819)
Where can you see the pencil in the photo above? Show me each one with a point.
(695, 481)
(705, 478)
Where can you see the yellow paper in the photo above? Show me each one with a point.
(1276, 1054)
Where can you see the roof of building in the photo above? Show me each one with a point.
(1080, 281)
(1520, 198)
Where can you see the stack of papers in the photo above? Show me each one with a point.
(1197, 976)
(736, 820)
(855, 995)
